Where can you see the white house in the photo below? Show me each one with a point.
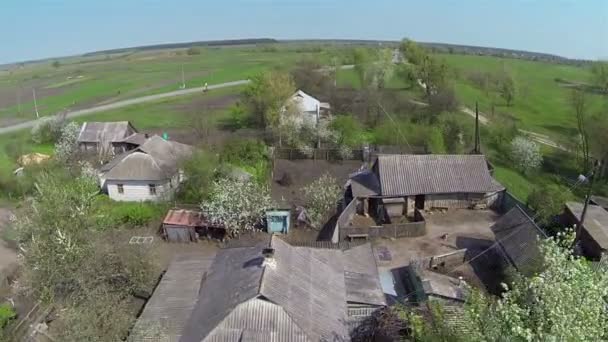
(309, 108)
(151, 172)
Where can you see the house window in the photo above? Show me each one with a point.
(121, 188)
(152, 188)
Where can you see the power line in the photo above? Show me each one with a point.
(396, 125)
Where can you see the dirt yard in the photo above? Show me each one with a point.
(302, 172)
(464, 228)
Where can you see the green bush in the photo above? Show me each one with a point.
(200, 172)
(7, 313)
(349, 131)
(112, 214)
(244, 152)
(193, 51)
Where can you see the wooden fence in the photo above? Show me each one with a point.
(393, 230)
(317, 154)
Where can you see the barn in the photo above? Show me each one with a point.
(400, 183)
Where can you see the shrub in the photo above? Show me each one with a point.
(349, 131)
(67, 145)
(199, 171)
(193, 51)
(244, 151)
(320, 197)
(237, 205)
(136, 214)
(525, 154)
(7, 313)
(548, 201)
(47, 129)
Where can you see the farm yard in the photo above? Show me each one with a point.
(278, 154)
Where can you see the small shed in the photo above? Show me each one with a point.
(278, 220)
(180, 225)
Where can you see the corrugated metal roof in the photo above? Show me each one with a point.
(173, 300)
(157, 159)
(408, 174)
(300, 290)
(258, 320)
(108, 131)
(361, 276)
(234, 278)
(596, 221)
(517, 235)
(183, 217)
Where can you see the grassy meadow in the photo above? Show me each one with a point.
(541, 102)
(86, 81)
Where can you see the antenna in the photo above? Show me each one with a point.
(35, 104)
(477, 140)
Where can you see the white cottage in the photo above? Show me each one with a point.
(151, 172)
(310, 109)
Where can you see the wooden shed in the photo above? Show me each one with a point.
(181, 225)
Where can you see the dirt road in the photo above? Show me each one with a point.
(539, 138)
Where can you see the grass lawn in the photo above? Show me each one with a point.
(541, 104)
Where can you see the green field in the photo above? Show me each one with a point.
(541, 104)
(85, 81)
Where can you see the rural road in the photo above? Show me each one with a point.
(539, 138)
(125, 103)
(130, 102)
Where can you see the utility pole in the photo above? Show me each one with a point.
(35, 103)
(477, 139)
(581, 221)
(19, 100)
(183, 78)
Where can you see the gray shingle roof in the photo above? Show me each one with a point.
(596, 221)
(299, 295)
(136, 139)
(173, 300)
(364, 183)
(517, 235)
(109, 131)
(156, 159)
(408, 174)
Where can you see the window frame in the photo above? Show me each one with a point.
(120, 188)
(152, 189)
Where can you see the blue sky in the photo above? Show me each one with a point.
(31, 29)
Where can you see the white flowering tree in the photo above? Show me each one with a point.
(237, 205)
(566, 301)
(67, 145)
(525, 153)
(320, 197)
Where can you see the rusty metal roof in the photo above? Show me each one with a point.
(409, 174)
(183, 217)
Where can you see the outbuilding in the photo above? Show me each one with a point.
(181, 225)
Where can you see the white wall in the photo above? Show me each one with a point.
(137, 191)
